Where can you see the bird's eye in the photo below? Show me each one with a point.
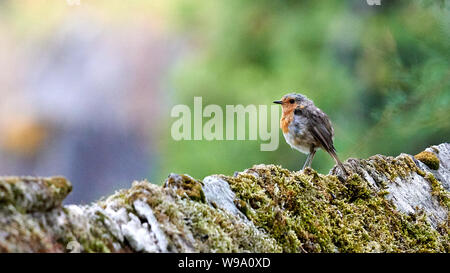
(291, 101)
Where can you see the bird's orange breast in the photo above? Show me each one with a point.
(286, 119)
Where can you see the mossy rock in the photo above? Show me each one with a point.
(186, 186)
(28, 193)
(387, 204)
(310, 212)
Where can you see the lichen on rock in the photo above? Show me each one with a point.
(387, 204)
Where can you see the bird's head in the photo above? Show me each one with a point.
(290, 101)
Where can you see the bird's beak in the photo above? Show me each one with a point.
(278, 102)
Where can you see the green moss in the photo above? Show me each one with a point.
(401, 166)
(311, 212)
(195, 226)
(429, 159)
(242, 206)
(186, 186)
(357, 189)
(438, 190)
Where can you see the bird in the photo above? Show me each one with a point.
(306, 128)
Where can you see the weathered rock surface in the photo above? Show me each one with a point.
(388, 204)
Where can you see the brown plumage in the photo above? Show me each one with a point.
(306, 128)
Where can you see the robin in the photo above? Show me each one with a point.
(306, 128)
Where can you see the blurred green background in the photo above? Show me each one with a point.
(381, 73)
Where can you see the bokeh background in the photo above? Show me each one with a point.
(86, 86)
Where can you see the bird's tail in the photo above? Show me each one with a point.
(338, 162)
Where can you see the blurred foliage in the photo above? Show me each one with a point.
(380, 72)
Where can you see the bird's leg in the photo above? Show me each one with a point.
(306, 161)
(310, 157)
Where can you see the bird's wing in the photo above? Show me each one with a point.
(321, 129)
